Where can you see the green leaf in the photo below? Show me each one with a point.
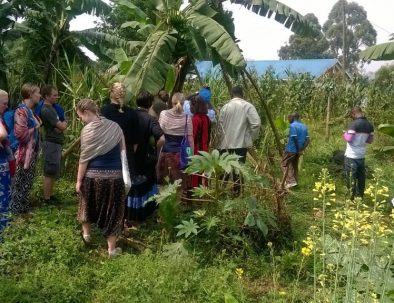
(187, 228)
(132, 24)
(387, 129)
(217, 38)
(262, 226)
(383, 51)
(249, 220)
(150, 68)
(280, 124)
(228, 298)
(135, 9)
(211, 222)
(282, 13)
(170, 79)
(175, 250)
(129, 46)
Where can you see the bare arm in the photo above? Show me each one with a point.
(81, 174)
(61, 125)
(160, 142)
(3, 132)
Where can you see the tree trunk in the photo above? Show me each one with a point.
(48, 63)
(181, 68)
(267, 113)
(226, 78)
(3, 73)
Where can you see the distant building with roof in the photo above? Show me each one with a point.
(281, 68)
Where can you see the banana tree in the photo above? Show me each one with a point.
(198, 32)
(9, 12)
(191, 34)
(49, 35)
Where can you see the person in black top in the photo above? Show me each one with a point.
(127, 119)
(144, 184)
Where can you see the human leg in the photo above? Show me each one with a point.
(289, 165)
(48, 187)
(351, 176)
(52, 163)
(241, 152)
(360, 175)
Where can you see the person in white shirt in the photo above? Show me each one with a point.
(239, 125)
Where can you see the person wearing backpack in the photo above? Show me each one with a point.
(5, 165)
(26, 132)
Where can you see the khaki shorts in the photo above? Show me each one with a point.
(52, 159)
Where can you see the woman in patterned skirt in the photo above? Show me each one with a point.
(5, 157)
(99, 182)
(175, 125)
(26, 130)
(144, 183)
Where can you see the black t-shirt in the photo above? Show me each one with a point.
(146, 155)
(128, 121)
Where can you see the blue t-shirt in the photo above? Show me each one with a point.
(299, 131)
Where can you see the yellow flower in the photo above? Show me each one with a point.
(306, 251)
(239, 272)
(282, 293)
(269, 244)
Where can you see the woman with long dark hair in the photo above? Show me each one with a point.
(201, 125)
(144, 184)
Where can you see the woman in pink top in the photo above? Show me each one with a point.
(173, 122)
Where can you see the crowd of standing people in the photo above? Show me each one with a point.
(126, 154)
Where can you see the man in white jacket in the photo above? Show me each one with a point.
(239, 126)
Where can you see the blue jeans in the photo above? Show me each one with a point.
(355, 176)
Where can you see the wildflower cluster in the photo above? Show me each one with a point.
(361, 222)
(324, 188)
(239, 272)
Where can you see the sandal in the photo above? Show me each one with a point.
(86, 238)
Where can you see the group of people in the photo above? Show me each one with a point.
(20, 142)
(126, 153)
(146, 143)
(359, 134)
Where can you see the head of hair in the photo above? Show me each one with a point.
(237, 91)
(118, 94)
(144, 99)
(198, 105)
(3, 93)
(28, 89)
(47, 90)
(177, 102)
(88, 105)
(296, 116)
(357, 110)
(163, 95)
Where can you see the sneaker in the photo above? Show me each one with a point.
(290, 185)
(114, 253)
